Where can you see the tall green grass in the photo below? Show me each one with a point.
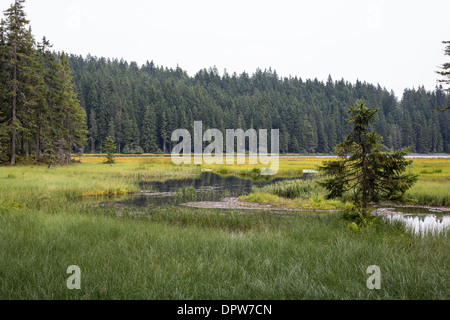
(33, 186)
(295, 194)
(313, 256)
(431, 192)
(186, 253)
(293, 189)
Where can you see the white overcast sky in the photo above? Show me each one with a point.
(394, 43)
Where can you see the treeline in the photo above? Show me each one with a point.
(45, 114)
(40, 115)
(139, 107)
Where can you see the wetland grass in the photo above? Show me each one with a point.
(175, 252)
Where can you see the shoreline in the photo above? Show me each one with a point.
(236, 204)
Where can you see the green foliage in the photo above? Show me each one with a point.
(292, 189)
(143, 105)
(310, 114)
(222, 171)
(51, 156)
(431, 172)
(243, 255)
(37, 95)
(3, 140)
(132, 149)
(357, 221)
(445, 73)
(365, 172)
(149, 130)
(187, 193)
(23, 82)
(109, 146)
(7, 206)
(353, 226)
(254, 172)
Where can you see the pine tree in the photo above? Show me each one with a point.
(23, 84)
(3, 139)
(445, 72)
(71, 118)
(363, 170)
(109, 146)
(34, 92)
(313, 112)
(332, 136)
(93, 131)
(284, 139)
(37, 96)
(164, 131)
(309, 133)
(4, 144)
(295, 145)
(149, 130)
(43, 114)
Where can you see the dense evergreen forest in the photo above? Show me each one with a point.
(53, 105)
(140, 106)
(40, 115)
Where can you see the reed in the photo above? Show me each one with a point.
(293, 189)
(193, 254)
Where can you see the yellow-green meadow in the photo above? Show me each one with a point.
(53, 218)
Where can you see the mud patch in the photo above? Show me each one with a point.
(235, 203)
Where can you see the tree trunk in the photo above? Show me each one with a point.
(38, 147)
(92, 145)
(61, 155)
(14, 111)
(26, 148)
(365, 187)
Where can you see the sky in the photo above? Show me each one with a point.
(397, 44)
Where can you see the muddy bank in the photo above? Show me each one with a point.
(387, 208)
(235, 203)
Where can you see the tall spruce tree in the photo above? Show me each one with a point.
(35, 93)
(109, 146)
(93, 131)
(4, 144)
(23, 82)
(43, 112)
(445, 72)
(149, 130)
(3, 139)
(164, 131)
(362, 170)
(37, 98)
(73, 129)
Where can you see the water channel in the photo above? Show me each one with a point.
(212, 187)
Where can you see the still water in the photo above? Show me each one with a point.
(423, 224)
(212, 187)
(206, 187)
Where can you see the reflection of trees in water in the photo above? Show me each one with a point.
(209, 186)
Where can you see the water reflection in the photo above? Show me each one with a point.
(206, 187)
(423, 224)
(213, 187)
